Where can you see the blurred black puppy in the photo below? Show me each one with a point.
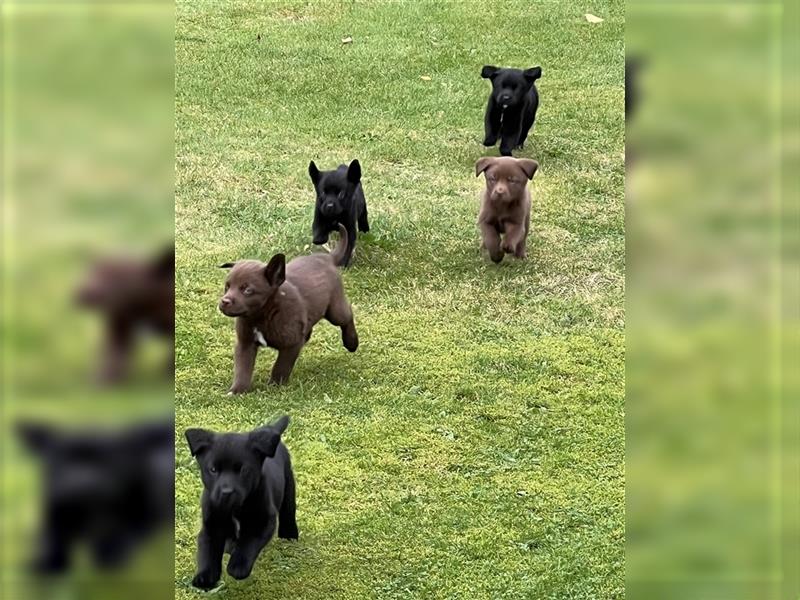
(248, 484)
(109, 489)
(340, 199)
(132, 295)
(512, 106)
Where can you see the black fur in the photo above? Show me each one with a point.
(248, 488)
(340, 200)
(512, 106)
(107, 489)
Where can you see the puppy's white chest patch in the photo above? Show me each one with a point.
(259, 337)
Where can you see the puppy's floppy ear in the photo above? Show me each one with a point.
(313, 172)
(488, 71)
(227, 265)
(199, 440)
(532, 74)
(275, 271)
(483, 164)
(35, 436)
(354, 172)
(528, 166)
(264, 441)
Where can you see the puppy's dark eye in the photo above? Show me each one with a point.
(227, 286)
(213, 469)
(247, 291)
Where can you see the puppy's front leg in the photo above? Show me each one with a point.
(247, 549)
(244, 360)
(515, 238)
(318, 229)
(210, 545)
(491, 123)
(491, 239)
(285, 363)
(512, 125)
(119, 343)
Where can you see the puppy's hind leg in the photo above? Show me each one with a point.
(287, 514)
(341, 314)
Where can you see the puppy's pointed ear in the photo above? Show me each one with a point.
(275, 271)
(227, 265)
(483, 164)
(313, 172)
(532, 74)
(488, 71)
(35, 436)
(264, 442)
(354, 172)
(199, 440)
(528, 166)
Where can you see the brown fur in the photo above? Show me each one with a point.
(132, 295)
(505, 204)
(283, 302)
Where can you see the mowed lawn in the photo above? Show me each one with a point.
(473, 447)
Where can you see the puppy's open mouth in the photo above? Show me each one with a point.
(229, 313)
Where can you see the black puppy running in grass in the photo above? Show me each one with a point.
(340, 200)
(512, 106)
(248, 487)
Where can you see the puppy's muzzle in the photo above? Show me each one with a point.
(226, 307)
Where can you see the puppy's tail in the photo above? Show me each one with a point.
(280, 425)
(341, 246)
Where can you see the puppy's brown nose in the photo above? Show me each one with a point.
(225, 301)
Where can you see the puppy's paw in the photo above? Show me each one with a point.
(496, 256)
(205, 580)
(238, 389)
(319, 240)
(288, 532)
(239, 567)
(489, 141)
(505, 151)
(507, 248)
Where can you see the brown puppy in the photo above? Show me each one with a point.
(132, 295)
(278, 304)
(505, 204)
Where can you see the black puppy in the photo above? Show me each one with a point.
(512, 106)
(248, 485)
(340, 199)
(107, 489)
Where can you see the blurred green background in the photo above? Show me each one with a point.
(88, 173)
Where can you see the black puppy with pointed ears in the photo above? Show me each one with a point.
(512, 106)
(340, 200)
(248, 487)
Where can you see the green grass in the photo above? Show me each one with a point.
(473, 447)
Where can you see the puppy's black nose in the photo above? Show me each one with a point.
(505, 98)
(329, 205)
(226, 490)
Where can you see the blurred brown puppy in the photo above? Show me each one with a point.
(133, 295)
(505, 204)
(277, 304)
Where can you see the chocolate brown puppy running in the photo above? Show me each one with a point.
(277, 304)
(505, 204)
